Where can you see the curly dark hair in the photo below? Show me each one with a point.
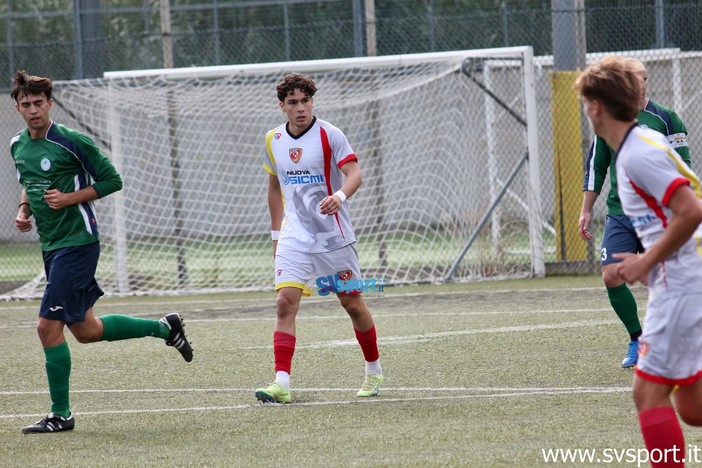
(293, 81)
(25, 84)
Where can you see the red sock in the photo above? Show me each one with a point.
(661, 431)
(369, 344)
(283, 350)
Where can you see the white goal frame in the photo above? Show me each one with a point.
(533, 204)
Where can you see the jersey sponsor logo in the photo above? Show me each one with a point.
(641, 221)
(301, 177)
(45, 164)
(277, 136)
(295, 154)
(37, 182)
(677, 140)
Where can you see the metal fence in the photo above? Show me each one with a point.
(84, 38)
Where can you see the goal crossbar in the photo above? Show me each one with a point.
(398, 60)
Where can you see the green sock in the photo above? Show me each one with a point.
(624, 305)
(58, 371)
(123, 327)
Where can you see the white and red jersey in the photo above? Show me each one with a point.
(649, 172)
(308, 169)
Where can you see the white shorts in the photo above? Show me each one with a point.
(304, 270)
(670, 348)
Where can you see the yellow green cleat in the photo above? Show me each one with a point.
(371, 386)
(274, 393)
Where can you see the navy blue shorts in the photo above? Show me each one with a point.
(71, 288)
(619, 236)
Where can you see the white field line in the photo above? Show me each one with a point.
(408, 339)
(416, 338)
(342, 316)
(131, 302)
(327, 389)
(501, 393)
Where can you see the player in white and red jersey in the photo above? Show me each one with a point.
(619, 234)
(661, 197)
(312, 171)
(305, 179)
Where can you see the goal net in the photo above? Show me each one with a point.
(449, 193)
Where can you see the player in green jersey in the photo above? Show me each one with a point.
(62, 172)
(619, 234)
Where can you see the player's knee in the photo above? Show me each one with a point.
(692, 420)
(648, 395)
(285, 307)
(42, 331)
(50, 332)
(84, 337)
(688, 402)
(641, 397)
(85, 334)
(354, 306)
(691, 415)
(610, 277)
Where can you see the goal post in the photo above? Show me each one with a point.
(450, 164)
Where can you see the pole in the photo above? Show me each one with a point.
(173, 143)
(166, 39)
(371, 41)
(570, 142)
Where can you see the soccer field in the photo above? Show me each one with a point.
(480, 374)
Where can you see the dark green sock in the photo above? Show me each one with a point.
(58, 371)
(624, 305)
(123, 327)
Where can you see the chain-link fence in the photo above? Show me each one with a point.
(82, 39)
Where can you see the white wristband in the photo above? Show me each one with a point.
(341, 195)
(275, 235)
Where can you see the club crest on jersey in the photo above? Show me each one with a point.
(644, 348)
(295, 154)
(345, 275)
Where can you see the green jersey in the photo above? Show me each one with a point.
(602, 158)
(68, 161)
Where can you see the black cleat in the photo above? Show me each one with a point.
(51, 423)
(177, 338)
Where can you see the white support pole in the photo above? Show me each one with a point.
(121, 248)
(492, 163)
(677, 87)
(535, 214)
